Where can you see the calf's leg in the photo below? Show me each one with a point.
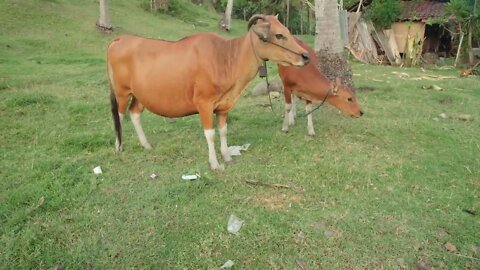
(288, 107)
(308, 109)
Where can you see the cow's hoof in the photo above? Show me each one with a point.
(119, 148)
(285, 130)
(218, 167)
(227, 159)
(311, 133)
(147, 146)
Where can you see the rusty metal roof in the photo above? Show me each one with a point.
(421, 10)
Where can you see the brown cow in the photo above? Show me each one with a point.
(202, 73)
(310, 84)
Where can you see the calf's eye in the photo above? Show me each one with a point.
(350, 99)
(280, 36)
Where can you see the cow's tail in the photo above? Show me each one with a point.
(116, 117)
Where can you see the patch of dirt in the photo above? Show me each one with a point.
(446, 101)
(276, 201)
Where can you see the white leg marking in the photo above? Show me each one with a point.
(118, 147)
(212, 156)
(138, 128)
(223, 144)
(294, 108)
(288, 108)
(293, 112)
(311, 131)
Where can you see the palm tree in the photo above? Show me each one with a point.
(104, 21)
(328, 42)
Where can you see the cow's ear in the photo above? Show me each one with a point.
(335, 85)
(262, 29)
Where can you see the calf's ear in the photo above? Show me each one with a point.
(335, 85)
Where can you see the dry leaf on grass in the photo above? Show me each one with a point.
(301, 265)
(450, 247)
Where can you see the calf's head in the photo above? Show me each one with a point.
(272, 41)
(344, 99)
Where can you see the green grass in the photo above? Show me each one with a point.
(386, 190)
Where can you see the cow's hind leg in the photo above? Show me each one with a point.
(222, 128)
(136, 109)
(308, 109)
(119, 105)
(205, 110)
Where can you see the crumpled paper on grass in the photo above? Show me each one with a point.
(235, 149)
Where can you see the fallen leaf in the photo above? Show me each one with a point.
(475, 249)
(301, 265)
(40, 202)
(465, 117)
(450, 247)
(300, 236)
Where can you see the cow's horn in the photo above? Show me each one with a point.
(254, 19)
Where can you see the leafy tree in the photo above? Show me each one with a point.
(383, 12)
(465, 15)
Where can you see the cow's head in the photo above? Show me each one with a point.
(342, 97)
(272, 41)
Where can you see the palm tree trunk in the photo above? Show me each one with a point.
(328, 42)
(104, 21)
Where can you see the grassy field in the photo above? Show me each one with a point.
(390, 190)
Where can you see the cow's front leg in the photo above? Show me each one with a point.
(206, 117)
(222, 128)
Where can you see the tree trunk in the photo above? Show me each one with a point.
(226, 21)
(471, 56)
(328, 43)
(104, 21)
(302, 5)
(288, 15)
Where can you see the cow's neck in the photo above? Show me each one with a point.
(245, 61)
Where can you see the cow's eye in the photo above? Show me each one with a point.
(280, 36)
(350, 99)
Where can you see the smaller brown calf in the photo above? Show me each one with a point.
(309, 84)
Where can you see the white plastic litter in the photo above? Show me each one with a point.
(97, 170)
(190, 177)
(153, 176)
(235, 149)
(227, 264)
(234, 224)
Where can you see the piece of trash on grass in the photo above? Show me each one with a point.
(227, 264)
(433, 87)
(234, 224)
(443, 115)
(190, 177)
(97, 170)
(235, 149)
(153, 176)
